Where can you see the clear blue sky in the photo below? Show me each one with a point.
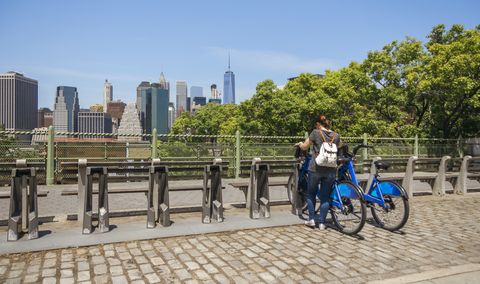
(81, 43)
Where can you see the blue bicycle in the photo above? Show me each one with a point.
(347, 207)
(387, 200)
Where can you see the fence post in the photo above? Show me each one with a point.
(154, 143)
(460, 146)
(237, 154)
(50, 156)
(365, 142)
(415, 146)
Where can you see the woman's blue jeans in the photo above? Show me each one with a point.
(325, 179)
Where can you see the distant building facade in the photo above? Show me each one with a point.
(171, 115)
(116, 109)
(18, 102)
(181, 88)
(96, 108)
(214, 95)
(198, 102)
(66, 109)
(45, 117)
(142, 86)
(94, 122)
(154, 109)
(130, 128)
(107, 94)
(229, 86)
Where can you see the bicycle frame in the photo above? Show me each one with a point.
(376, 191)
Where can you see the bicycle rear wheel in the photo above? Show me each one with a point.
(291, 186)
(395, 215)
(351, 218)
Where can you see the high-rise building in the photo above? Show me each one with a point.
(45, 117)
(18, 101)
(164, 84)
(160, 103)
(65, 113)
(214, 95)
(196, 91)
(181, 105)
(130, 124)
(154, 114)
(107, 95)
(94, 122)
(142, 86)
(229, 85)
(116, 109)
(171, 115)
(189, 104)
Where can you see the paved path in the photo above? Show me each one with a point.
(441, 233)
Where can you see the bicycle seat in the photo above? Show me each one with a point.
(382, 165)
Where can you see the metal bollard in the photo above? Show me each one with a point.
(103, 212)
(461, 185)
(23, 213)
(439, 185)
(212, 201)
(296, 197)
(407, 182)
(158, 198)
(259, 191)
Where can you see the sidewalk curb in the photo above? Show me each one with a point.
(431, 274)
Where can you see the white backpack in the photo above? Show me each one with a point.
(327, 157)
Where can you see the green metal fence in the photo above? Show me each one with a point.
(66, 146)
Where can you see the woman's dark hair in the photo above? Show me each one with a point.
(322, 119)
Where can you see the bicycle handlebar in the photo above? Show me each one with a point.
(358, 147)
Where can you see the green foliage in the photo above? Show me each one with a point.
(404, 89)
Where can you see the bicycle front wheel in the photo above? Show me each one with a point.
(395, 214)
(350, 217)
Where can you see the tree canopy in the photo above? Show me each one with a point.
(431, 89)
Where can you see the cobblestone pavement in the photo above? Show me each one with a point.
(441, 232)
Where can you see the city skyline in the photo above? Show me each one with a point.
(263, 45)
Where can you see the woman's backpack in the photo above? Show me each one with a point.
(327, 157)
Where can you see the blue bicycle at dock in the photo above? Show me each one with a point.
(347, 207)
(387, 200)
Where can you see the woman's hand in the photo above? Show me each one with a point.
(299, 144)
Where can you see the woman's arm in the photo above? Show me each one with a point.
(304, 145)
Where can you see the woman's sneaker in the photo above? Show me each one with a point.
(310, 223)
(322, 227)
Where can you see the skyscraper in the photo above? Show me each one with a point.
(142, 86)
(155, 102)
(214, 95)
(171, 115)
(18, 101)
(164, 84)
(160, 103)
(130, 124)
(65, 113)
(115, 109)
(45, 117)
(107, 94)
(181, 87)
(229, 85)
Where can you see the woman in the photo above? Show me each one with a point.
(319, 175)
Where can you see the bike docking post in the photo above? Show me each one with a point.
(461, 185)
(439, 185)
(407, 182)
(373, 172)
(23, 212)
(212, 201)
(297, 200)
(85, 183)
(259, 191)
(158, 209)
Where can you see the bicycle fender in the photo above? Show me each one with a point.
(392, 188)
